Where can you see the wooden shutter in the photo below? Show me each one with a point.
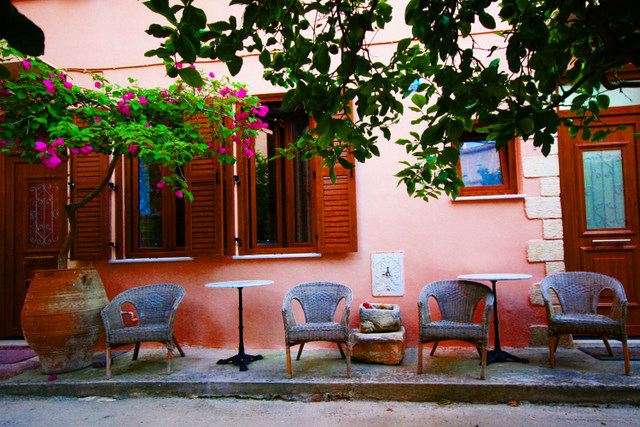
(336, 204)
(336, 207)
(205, 215)
(92, 239)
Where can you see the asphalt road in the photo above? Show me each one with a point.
(147, 411)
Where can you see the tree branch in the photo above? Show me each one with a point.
(72, 217)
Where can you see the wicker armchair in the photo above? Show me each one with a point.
(578, 293)
(319, 301)
(457, 300)
(156, 307)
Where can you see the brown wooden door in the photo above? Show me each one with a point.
(35, 226)
(600, 193)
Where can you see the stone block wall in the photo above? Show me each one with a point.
(550, 249)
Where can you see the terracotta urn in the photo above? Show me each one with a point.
(61, 317)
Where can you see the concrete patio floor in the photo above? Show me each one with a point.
(320, 375)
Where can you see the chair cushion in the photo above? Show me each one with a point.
(159, 333)
(584, 323)
(326, 331)
(448, 330)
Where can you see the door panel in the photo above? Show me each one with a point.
(36, 226)
(599, 192)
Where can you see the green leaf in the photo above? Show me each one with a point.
(345, 163)
(195, 17)
(603, 101)
(234, 64)
(265, 58)
(159, 31)
(321, 59)
(487, 20)
(403, 45)
(419, 100)
(527, 125)
(185, 49)
(599, 136)
(191, 76)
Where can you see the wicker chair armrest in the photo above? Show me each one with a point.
(346, 311)
(424, 314)
(546, 297)
(111, 316)
(619, 307)
(489, 300)
(287, 313)
(346, 314)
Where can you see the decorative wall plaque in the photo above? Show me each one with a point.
(387, 274)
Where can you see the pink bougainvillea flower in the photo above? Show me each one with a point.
(26, 64)
(179, 65)
(199, 89)
(260, 110)
(3, 142)
(192, 66)
(161, 184)
(124, 108)
(132, 148)
(58, 142)
(240, 94)
(143, 100)
(222, 150)
(74, 150)
(68, 85)
(164, 93)
(86, 149)
(247, 152)
(127, 96)
(97, 120)
(242, 116)
(213, 76)
(147, 125)
(40, 146)
(51, 162)
(179, 194)
(97, 85)
(225, 91)
(49, 85)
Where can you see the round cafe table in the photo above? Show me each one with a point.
(241, 358)
(497, 354)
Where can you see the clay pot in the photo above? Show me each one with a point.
(61, 317)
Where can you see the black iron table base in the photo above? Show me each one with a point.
(497, 355)
(241, 359)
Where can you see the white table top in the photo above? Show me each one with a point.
(495, 276)
(239, 284)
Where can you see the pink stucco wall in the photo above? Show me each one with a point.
(440, 239)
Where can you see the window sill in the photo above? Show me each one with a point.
(495, 197)
(134, 260)
(277, 256)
